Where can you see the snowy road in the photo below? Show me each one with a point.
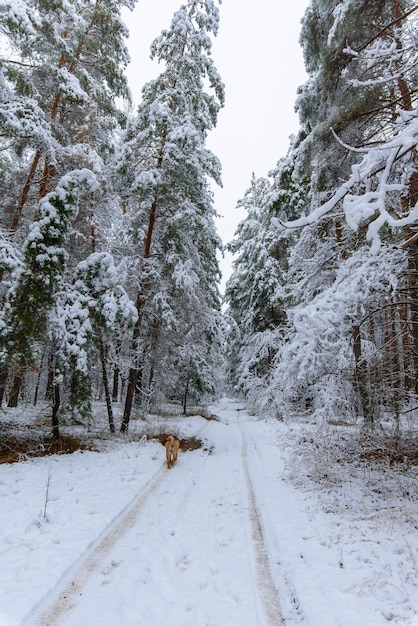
(188, 549)
(225, 538)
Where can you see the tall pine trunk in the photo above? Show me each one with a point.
(361, 381)
(140, 305)
(15, 390)
(116, 375)
(134, 370)
(55, 409)
(105, 379)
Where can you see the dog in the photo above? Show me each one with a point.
(171, 450)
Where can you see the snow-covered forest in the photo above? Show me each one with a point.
(108, 257)
(324, 293)
(294, 394)
(109, 270)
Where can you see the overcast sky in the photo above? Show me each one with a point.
(259, 59)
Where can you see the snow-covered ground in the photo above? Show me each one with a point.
(231, 536)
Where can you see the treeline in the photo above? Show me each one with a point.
(108, 247)
(323, 299)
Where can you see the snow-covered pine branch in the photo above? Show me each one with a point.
(32, 295)
(366, 195)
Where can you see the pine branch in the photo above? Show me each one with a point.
(393, 23)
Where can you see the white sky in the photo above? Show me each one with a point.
(259, 59)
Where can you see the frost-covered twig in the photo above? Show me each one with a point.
(48, 483)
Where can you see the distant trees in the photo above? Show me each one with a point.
(254, 291)
(348, 345)
(104, 231)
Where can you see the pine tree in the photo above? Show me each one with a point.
(165, 169)
(24, 318)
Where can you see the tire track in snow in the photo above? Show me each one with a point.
(72, 584)
(269, 595)
(64, 596)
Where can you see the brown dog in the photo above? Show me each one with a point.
(171, 450)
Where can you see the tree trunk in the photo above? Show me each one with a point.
(140, 305)
(38, 378)
(361, 382)
(411, 245)
(130, 392)
(15, 391)
(413, 295)
(55, 409)
(186, 393)
(49, 391)
(25, 192)
(106, 386)
(394, 381)
(4, 372)
(115, 386)
(402, 84)
(116, 375)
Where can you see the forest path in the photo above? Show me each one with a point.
(189, 548)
